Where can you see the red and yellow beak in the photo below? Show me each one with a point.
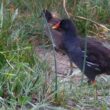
(56, 26)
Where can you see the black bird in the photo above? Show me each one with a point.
(98, 56)
(56, 34)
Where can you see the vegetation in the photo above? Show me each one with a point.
(24, 76)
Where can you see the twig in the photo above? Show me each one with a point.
(9, 64)
(100, 25)
(64, 6)
(74, 5)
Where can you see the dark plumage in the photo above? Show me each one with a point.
(98, 56)
(49, 17)
(57, 34)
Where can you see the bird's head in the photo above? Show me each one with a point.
(65, 24)
(47, 15)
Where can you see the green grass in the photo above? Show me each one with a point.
(23, 74)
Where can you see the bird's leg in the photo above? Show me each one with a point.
(56, 49)
(71, 67)
(93, 82)
(95, 86)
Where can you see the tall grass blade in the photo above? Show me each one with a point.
(1, 16)
(15, 15)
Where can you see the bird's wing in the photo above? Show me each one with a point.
(97, 54)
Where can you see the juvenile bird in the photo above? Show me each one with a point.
(98, 56)
(56, 34)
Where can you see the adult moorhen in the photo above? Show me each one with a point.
(98, 56)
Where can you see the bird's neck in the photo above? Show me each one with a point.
(72, 45)
(71, 36)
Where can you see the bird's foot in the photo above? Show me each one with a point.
(93, 83)
(71, 71)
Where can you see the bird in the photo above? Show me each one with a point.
(56, 34)
(97, 56)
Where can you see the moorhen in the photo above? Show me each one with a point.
(56, 34)
(97, 57)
